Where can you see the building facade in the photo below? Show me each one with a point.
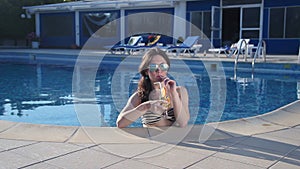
(222, 22)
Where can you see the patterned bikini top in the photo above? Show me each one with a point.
(150, 118)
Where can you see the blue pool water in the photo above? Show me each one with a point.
(42, 94)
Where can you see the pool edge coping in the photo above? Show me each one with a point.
(268, 122)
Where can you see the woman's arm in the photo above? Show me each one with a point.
(181, 106)
(180, 102)
(131, 112)
(135, 109)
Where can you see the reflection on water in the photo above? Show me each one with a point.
(246, 96)
(298, 89)
(43, 94)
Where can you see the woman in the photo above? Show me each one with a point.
(145, 102)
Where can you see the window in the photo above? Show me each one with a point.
(150, 23)
(284, 22)
(196, 20)
(251, 22)
(207, 23)
(200, 23)
(293, 22)
(251, 17)
(251, 34)
(57, 25)
(276, 25)
(103, 21)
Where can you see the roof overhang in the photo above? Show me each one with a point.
(99, 4)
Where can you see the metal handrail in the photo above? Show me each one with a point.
(237, 57)
(261, 44)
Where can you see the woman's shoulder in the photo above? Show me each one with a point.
(135, 98)
(181, 89)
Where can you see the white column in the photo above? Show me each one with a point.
(77, 31)
(179, 28)
(261, 20)
(122, 25)
(37, 24)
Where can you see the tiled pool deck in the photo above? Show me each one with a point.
(271, 140)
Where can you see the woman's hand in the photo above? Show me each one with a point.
(155, 106)
(170, 85)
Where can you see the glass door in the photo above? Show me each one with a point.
(241, 20)
(250, 25)
(231, 25)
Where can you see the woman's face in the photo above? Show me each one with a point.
(158, 68)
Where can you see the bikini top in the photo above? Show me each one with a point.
(150, 118)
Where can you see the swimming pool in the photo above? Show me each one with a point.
(42, 93)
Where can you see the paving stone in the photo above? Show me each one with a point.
(246, 127)
(24, 131)
(213, 163)
(294, 154)
(98, 135)
(87, 159)
(170, 157)
(6, 144)
(291, 161)
(257, 125)
(127, 150)
(4, 125)
(201, 133)
(293, 107)
(250, 155)
(13, 160)
(282, 117)
(207, 148)
(286, 136)
(43, 165)
(46, 150)
(286, 165)
(273, 146)
(132, 164)
(170, 135)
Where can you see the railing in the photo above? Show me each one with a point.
(238, 54)
(261, 45)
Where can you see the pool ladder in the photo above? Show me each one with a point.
(261, 46)
(238, 54)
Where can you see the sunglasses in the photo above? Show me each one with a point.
(162, 67)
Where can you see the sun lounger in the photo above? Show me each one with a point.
(133, 41)
(186, 46)
(145, 46)
(234, 49)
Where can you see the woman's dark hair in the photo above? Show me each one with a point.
(145, 86)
